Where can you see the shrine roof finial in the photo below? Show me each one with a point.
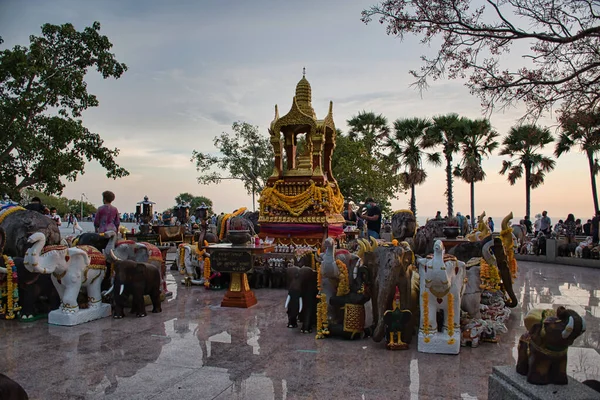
(303, 72)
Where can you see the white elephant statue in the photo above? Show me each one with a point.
(471, 298)
(190, 265)
(441, 284)
(70, 269)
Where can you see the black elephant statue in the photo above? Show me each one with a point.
(37, 294)
(543, 348)
(138, 279)
(468, 250)
(301, 302)
(424, 238)
(97, 240)
(350, 318)
(19, 224)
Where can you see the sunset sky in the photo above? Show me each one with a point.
(195, 67)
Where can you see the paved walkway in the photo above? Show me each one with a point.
(195, 349)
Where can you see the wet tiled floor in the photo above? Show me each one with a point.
(195, 349)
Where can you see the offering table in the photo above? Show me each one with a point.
(237, 260)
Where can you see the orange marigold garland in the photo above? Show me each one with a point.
(206, 272)
(450, 322)
(425, 316)
(322, 325)
(490, 278)
(12, 289)
(344, 285)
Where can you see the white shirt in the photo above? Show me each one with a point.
(56, 219)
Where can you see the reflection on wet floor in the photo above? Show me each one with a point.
(195, 349)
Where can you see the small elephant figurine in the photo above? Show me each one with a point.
(136, 278)
(471, 333)
(543, 349)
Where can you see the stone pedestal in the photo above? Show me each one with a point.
(506, 384)
(239, 293)
(57, 317)
(438, 343)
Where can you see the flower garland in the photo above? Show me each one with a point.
(344, 285)
(6, 211)
(207, 272)
(451, 318)
(322, 325)
(490, 278)
(181, 259)
(12, 288)
(320, 198)
(509, 249)
(238, 212)
(425, 301)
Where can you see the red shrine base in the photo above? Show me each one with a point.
(239, 294)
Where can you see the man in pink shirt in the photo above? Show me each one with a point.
(107, 217)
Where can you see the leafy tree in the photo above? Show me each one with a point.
(361, 173)
(478, 141)
(582, 129)
(406, 147)
(369, 128)
(194, 201)
(245, 155)
(42, 96)
(560, 66)
(446, 131)
(62, 204)
(523, 143)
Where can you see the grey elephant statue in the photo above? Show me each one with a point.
(390, 267)
(425, 236)
(19, 224)
(301, 302)
(136, 279)
(190, 265)
(404, 225)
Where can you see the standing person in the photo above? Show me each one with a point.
(373, 218)
(55, 217)
(69, 219)
(107, 216)
(469, 227)
(349, 215)
(545, 223)
(578, 227)
(537, 223)
(35, 205)
(438, 216)
(594, 227)
(570, 228)
(76, 226)
(490, 223)
(528, 225)
(461, 224)
(587, 228)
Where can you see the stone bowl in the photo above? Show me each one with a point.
(451, 232)
(239, 236)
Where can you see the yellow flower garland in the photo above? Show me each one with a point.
(322, 325)
(509, 249)
(425, 316)
(206, 272)
(344, 286)
(320, 198)
(450, 317)
(12, 292)
(181, 259)
(9, 211)
(226, 218)
(490, 278)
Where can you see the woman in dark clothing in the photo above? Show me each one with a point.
(570, 228)
(578, 227)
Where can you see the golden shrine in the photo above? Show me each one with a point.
(302, 203)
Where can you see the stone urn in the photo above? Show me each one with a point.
(451, 232)
(240, 230)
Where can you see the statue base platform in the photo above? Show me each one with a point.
(57, 317)
(239, 294)
(438, 343)
(506, 384)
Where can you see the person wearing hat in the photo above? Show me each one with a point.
(373, 217)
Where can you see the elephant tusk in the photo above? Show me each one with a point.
(114, 256)
(109, 291)
(569, 328)
(361, 249)
(287, 301)
(300, 310)
(374, 243)
(121, 291)
(506, 220)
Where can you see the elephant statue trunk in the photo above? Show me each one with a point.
(498, 258)
(301, 301)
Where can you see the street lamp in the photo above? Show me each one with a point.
(82, 196)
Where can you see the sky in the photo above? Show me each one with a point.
(195, 67)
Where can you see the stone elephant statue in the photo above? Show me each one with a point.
(390, 267)
(19, 224)
(404, 225)
(190, 265)
(136, 279)
(36, 292)
(425, 236)
(441, 287)
(301, 302)
(542, 355)
(70, 269)
(98, 240)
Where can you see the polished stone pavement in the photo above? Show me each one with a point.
(195, 349)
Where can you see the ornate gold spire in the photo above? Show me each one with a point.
(304, 96)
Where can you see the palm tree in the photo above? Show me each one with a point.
(369, 127)
(446, 131)
(582, 129)
(406, 147)
(523, 143)
(478, 141)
